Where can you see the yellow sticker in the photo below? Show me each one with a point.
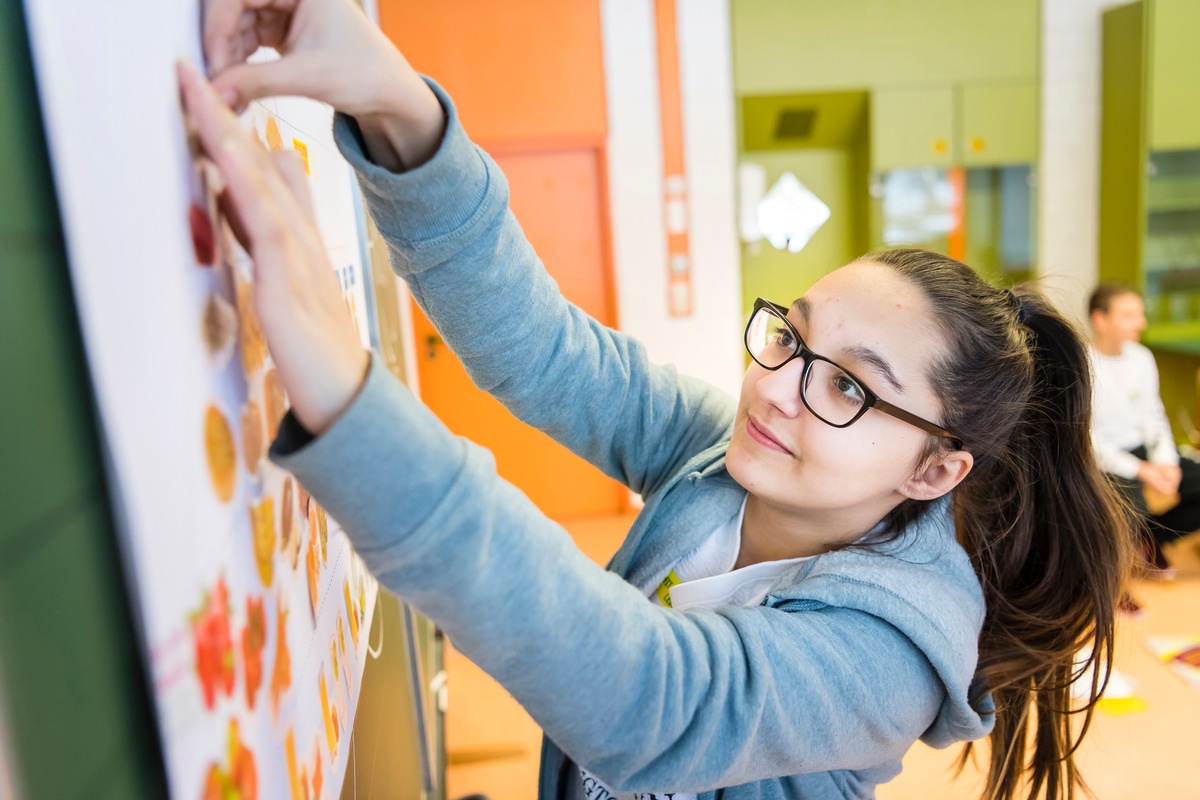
(289, 747)
(1119, 706)
(273, 137)
(328, 714)
(302, 150)
(664, 589)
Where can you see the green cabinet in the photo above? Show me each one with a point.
(912, 128)
(1174, 74)
(953, 170)
(999, 124)
(979, 124)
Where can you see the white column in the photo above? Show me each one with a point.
(1069, 164)
(707, 344)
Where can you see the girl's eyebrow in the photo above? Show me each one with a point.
(859, 352)
(801, 305)
(874, 359)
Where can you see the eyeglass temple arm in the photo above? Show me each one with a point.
(913, 419)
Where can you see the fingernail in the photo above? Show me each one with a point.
(184, 69)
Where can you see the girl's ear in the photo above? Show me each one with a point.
(939, 475)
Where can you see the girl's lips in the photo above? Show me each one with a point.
(762, 437)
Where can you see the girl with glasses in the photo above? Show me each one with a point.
(897, 531)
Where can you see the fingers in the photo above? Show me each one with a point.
(220, 32)
(298, 74)
(233, 29)
(291, 169)
(260, 200)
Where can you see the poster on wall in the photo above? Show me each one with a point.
(253, 608)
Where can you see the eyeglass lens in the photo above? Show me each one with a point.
(828, 390)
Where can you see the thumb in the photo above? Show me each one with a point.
(293, 75)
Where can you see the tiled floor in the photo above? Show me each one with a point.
(494, 745)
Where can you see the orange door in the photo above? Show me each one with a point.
(557, 197)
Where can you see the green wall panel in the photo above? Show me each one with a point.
(999, 123)
(782, 46)
(1174, 66)
(826, 119)
(831, 174)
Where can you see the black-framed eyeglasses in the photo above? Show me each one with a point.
(833, 394)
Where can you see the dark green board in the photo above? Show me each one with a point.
(78, 716)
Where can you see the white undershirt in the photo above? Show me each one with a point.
(706, 579)
(1127, 411)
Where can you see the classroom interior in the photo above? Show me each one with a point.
(671, 161)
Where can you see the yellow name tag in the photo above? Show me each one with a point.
(664, 589)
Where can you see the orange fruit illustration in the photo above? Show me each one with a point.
(274, 140)
(262, 530)
(281, 674)
(253, 445)
(313, 570)
(275, 400)
(222, 458)
(289, 526)
(351, 613)
(254, 347)
(219, 328)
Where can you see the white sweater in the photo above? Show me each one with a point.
(1128, 412)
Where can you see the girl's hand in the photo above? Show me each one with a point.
(312, 338)
(330, 52)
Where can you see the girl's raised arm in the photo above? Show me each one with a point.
(442, 205)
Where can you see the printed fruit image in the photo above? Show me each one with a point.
(276, 402)
(313, 571)
(352, 613)
(222, 458)
(254, 346)
(214, 784)
(330, 717)
(281, 675)
(289, 528)
(274, 140)
(317, 781)
(213, 645)
(262, 531)
(243, 773)
(219, 328)
(240, 780)
(253, 445)
(254, 638)
(318, 523)
(203, 240)
(289, 749)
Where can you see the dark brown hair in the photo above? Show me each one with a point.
(1102, 297)
(1042, 526)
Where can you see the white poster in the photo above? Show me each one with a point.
(253, 607)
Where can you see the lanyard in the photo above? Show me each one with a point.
(664, 589)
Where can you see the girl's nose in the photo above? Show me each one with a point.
(781, 388)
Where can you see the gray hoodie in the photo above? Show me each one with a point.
(815, 694)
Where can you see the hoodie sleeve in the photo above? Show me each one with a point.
(452, 237)
(642, 696)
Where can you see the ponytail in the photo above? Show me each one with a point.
(1044, 529)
